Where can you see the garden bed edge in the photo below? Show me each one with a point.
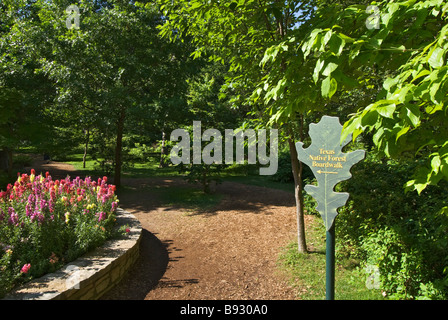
(90, 276)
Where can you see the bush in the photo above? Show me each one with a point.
(284, 171)
(404, 235)
(45, 224)
(203, 174)
(403, 272)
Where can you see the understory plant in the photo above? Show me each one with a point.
(46, 223)
(401, 236)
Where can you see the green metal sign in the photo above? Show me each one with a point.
(330, 166)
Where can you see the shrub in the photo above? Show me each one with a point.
(203, 174)
(45, 224)
(404, 235)
(284, 171)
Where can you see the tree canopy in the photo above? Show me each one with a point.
(112, 75)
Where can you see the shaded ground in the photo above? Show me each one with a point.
(227, 252)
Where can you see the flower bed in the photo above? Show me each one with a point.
(46, 223)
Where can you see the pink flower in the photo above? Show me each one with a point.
(102, 216)
(26, 267)
(128, 230)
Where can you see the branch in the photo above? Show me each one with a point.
(266, 20)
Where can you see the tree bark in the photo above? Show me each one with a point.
(297, 168)
(162, 150)
(6, 160)
(119, 147)
(86, 146)
(10, 161)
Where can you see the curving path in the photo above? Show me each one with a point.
(227, 252)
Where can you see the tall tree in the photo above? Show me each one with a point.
(404, 42)
(24, 95)
(113, 64)
(255, 38)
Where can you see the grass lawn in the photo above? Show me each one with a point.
(306, 272)
(137, 170)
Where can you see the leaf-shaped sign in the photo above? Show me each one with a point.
(329, 164)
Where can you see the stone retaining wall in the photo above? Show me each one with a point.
(91, 275)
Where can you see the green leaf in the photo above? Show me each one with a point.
(377, 137)
(433, 109)
(369, 119)
(435, 59)
(422, 73)
(329, 87)
(389, 83)
(433, 90)
(350, 126)
(403, 131)
(319, 64)
(435, 163)
(387, 111)
(331, 66)
(336, 44)
(413, 114)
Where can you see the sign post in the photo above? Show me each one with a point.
(330, 166)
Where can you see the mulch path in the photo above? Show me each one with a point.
(228, 252)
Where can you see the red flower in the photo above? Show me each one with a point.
(26, 267)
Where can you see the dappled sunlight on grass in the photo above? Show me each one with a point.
(306, 271)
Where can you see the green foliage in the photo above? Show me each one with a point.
(204, 174)
(408, 117)
(140, 152)
(114, 74)
(404, 273)
(284, 171)
(402, 234)
(306, 271)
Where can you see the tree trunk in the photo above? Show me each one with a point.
(10, 161)
(162, 150)
(297, 167)
(86, 148)
(6, 160)
(118, 148)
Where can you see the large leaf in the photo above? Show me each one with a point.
(329, 164)
(329, 86)
(436, 58)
